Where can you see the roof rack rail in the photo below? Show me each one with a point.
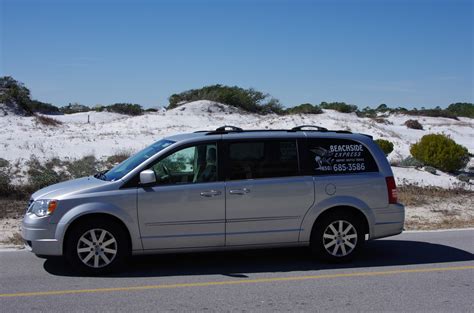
(318, 128)
(222, 130)
(232, 128)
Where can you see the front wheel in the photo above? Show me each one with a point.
(337, 237)
(97, 247)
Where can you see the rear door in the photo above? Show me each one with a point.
(343, 167)
(266, 198)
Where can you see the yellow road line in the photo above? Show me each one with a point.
(234, 282)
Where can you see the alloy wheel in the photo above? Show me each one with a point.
(340, 238)
(97, 248)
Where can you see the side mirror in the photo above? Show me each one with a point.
(147, 177)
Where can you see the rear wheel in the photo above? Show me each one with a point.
(97, 246)
(338, 237)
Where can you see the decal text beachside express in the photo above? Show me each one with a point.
(339, 156)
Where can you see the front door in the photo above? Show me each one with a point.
(186, 207)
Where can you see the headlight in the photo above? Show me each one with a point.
(43, 207)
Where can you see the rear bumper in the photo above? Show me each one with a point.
(388, 221)
(38, 235)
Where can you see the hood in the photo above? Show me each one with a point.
(69, 187)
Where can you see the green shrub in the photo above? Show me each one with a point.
(305, 108)
(339, 106)
(461, 109)
(436, 112)
(99, 108)
(272, 106)
(5, 186)
(83, 167)
(4, 163)
(121, 108)
(441, 152)
(249, 100)
(367, 112)
(15, 93)
(385, 145)
(383, 108)
(410, 161)
(44, 108)
(413, 124)
(74, 108)
(454, 110)
(42, 175)
(125, 108)
(7, 189)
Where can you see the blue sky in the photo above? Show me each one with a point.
(402, 53)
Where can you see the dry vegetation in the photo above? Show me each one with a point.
(411, 195)
(445, 223)
(13, 240)
(12, 208)
(47, 121)
(437, 208)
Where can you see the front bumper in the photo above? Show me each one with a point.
(388, 221)
(39, 235)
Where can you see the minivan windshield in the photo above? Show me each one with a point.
(123, 168)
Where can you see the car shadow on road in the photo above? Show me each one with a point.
(240, 263)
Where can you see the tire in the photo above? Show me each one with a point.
(330, 244)
(97, 246)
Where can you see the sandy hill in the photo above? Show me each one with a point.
(109, 133)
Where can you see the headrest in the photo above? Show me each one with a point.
(211, 155)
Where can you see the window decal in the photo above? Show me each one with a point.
(339, 156)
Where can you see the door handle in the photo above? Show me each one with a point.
(242, 191)
(210, 193)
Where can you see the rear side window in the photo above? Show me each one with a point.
(262, 159)
(338, 156)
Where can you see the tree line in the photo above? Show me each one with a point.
(13, 92)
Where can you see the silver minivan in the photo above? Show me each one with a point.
(223, 189)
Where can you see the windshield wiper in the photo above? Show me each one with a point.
(101, 175)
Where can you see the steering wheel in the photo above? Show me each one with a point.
(165, 170)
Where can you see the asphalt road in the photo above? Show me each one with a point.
(430, 271)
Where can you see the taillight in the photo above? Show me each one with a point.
(392, 190)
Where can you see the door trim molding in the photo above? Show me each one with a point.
(192, 222)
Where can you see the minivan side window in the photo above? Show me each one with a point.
(195, 164)
(328, 156)
(262, 159)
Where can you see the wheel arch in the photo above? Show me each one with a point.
(343, 209)
(98, 210)
(346, 204)
(96, 215)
